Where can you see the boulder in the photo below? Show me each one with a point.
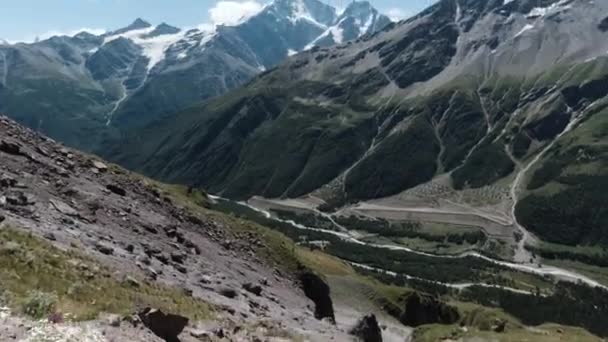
(423, 309)
(10, 147)
(166, 326)
(318, 291)
(367, 329)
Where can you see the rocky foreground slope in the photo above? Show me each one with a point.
(112, 227)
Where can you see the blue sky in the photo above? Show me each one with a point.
(27, 19)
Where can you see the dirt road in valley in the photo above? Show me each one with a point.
(555, 272)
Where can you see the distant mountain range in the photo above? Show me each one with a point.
(84, 89)
(495, 103)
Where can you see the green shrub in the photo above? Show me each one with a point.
(39, 304)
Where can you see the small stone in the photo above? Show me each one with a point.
(114, 320)
(178, 257)
(101, 167)
(151, 273)
(219, 332)
(255, 289)
(180, 268)
(228, 292)
(227, 244)
(103, 249)
(7, 181)
(162, 257)
(116, 189)
(201, 335)
(50, 236)
(131, 281)
(63, 208)
(18, 198)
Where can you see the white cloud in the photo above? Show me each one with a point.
(233, 12)
(397, 14)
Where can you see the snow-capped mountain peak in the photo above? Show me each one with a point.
(309, 10)
(358, 19)
(138, 24)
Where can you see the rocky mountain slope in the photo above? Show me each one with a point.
(495, 105)
(89, 238)
(84, 89)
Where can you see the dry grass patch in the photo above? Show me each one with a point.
(39, 279)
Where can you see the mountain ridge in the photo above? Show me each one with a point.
(132, 76)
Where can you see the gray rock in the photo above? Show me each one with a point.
(178, 257)
(18, 198)
(255, 289)
(113, 320)
(201, 335)
(180, 268)
(7, 181)
(131, 281)
(63, 208)
(10, 147)
(116, 189)
(101, 167)
(228, 292)
(367, 329)
(50, 236)
(103, 249)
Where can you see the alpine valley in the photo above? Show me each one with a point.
(447, 173)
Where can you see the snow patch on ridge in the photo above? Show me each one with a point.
(561, 5)
(524, 29)
(153, 47)
(300, 12)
